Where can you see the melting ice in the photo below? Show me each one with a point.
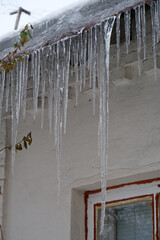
(88, 52)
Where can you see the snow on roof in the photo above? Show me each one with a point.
(68, 23)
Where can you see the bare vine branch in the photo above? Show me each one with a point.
(27, 140)
(9, 62)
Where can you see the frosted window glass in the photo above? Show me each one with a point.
(127, 222)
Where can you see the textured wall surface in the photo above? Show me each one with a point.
(33, 210)
(134, 151)
(2, 167)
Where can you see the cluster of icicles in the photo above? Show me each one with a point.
(88, 52)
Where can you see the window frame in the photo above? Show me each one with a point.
(121, 193)
(157, 215)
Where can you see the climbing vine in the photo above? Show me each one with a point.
(9, 62)
(24, 143)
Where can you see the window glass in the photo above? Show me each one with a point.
(130, 221)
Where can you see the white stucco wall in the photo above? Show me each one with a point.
(32, 211)
(2, 167)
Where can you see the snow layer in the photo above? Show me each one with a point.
(68, 23)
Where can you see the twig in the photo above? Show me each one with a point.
(26, 141)
(9, 148)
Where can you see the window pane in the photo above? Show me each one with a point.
(131, 221)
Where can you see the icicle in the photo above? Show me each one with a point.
(63, 63)
(72, 57)
(108, 26)
(67, 62)
(157, 27)
(13, 117)
(59, 137)
(14, 101)
(90, 58)
(25, 86)
(76, 69)
(56, 92)
(18, 90)
(7, 89)
(143, 19)
(36, 79)
(154, 38)
(138, 30)
(43, 80)
(2, 82)
(94, 69)
(101, 76)
(118, 38)
(99, 45)
(58, 116)
(89, 47)
(23, 79)
(81, 61)
(61, 98)
(127, 20)
(84, 60)
(50, 94)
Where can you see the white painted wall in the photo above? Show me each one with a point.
(31, 209)
(134, 147)
(2, 167)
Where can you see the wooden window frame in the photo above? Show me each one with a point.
(120, 194)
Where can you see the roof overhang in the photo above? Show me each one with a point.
(69, 23)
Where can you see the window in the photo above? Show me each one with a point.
(127, 220)
(132, 212)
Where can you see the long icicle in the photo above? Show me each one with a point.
(94, 70)
(25, 87)
(84, 58)
(35, 81)
(50, 89)
(143, 19)
(108, 26)
(13, 115)
(76, 48)
(118, 38)
(56, 89)
(157, 24)
(18, 90)
(154, 44)
(90, 57)
(101, 75)
(138, 30)
(67, 62)
(127, 21)
(23, 79)
(58, 117)
(43, 82)
(15, 109)
(81, 61)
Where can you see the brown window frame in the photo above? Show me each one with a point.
(155, 204)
